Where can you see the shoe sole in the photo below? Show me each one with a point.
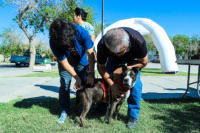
(132, 126)
(60, 122)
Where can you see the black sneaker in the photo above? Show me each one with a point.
(132, 123)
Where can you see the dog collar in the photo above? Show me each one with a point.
(125, 88)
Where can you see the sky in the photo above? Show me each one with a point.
(175, 16)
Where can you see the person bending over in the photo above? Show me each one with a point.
(71, 44)
(123, 46)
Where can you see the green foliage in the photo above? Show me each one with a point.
(12, 43)
(36, 16)
(171, 39)
(185, 45)
(67, 10)
(98, 27)
(194, 45)
(149, 42)
(158, 72)
(180, 42)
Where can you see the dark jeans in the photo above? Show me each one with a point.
(135, 92)
(65, 81)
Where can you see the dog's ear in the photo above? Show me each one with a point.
(124, 67)
(135, 69)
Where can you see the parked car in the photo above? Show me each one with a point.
(25, 59)
(155, 61)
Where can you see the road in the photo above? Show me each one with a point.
(10, 70)
(154, 87)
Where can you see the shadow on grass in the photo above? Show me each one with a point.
(50, 103)
(98, 115)
(172, 93)
(52, 88)
(183, 116)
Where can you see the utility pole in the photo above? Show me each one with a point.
(102, 18)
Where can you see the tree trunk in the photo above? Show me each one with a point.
(4, 55)
(32, 53)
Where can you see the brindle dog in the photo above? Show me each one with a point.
(94, 94)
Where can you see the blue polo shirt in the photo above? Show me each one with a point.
(75, 54)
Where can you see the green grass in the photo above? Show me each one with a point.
(156, 116)
(2, 62)
(42, 74)
(158, 72)
(52, 74)
(145, 72)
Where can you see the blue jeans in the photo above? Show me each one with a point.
(65, 81)
(135, 93)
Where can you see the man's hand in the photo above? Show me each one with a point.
(116, 91)
(117, 73)
(77, 85)
(90, 79)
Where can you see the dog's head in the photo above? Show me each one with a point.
(129, 76)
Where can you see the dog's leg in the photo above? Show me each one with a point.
(117, 110)
(107, 112)
(76, 110)
(112, 108)
(86, 107)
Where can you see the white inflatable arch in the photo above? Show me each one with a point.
(157, 34)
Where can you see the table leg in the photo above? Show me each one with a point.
(198, 82)
(188, 81)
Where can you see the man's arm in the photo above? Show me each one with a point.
(93, 37)
(115, 88)
(65, 64)
(104, 74)
(91, 60)
(140, 63)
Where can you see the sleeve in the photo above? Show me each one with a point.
(91, 29)
(87, 42)
(102, 52)
(59, 54)
(142, 49)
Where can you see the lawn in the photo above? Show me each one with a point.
(158, 72)
(156, 116)
(144, 72)
(52, 74)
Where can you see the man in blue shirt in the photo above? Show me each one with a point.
(71, 44)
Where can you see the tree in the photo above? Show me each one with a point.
(180, 43)
(98, 27)
(150, 45)
(12, 43)
(35, 16)
(194, 45)
(30, 18)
